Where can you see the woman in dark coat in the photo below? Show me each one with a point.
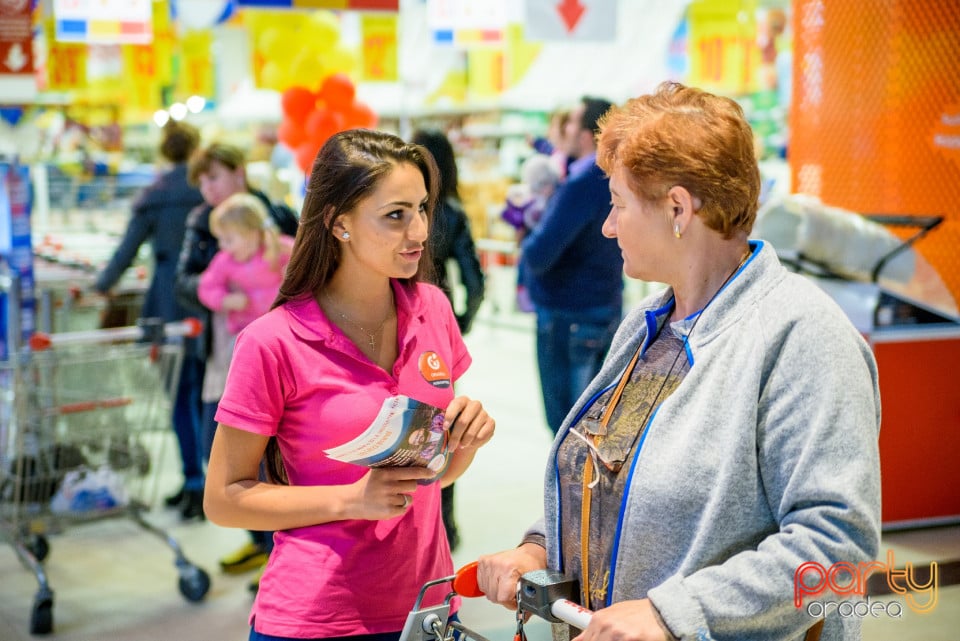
(159, 216)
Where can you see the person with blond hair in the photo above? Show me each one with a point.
(244, 276)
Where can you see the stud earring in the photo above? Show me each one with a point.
(676, 230)
(346, 235)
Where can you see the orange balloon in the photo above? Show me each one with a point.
(297, 103)
(337, 91)
(359, 116)
(305, 155)
(291, 134)
(323, 123)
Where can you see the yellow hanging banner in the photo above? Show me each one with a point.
(520, 53)
(142, 87)
(164, 42)
(196, 72)
(66, 63)
(723, 50)
(379, 36)
(484, 73)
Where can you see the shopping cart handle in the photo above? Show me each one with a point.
(193, 327)
(149, 329)
(40, 341)
(545, 593)
(465, 581)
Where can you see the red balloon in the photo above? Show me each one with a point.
(305, 155)
(291, 134)
(359, 115)
(297, 103)
(321, 124)
(337, 91)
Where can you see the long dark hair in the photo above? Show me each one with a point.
(348, 168)
(437, 143)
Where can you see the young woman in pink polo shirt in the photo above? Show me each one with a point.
(353, 325)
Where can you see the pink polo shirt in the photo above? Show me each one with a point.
(296, 376)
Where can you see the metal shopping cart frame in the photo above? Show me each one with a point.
(545, 593)
(78, 412)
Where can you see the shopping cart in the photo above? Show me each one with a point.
(84, 420)
(544, 593)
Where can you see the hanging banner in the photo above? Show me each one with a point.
(379, 36)
(520, 54)
(16, 39)
(17, 84)
(66, 64)
(723, 50)
(196, 73)
(104, 21)
(346, 5)
(465, 24)
(485, 73)
(571, 20)
(141, 83)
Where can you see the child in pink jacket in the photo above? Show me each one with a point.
(244, 276)
(239, 285)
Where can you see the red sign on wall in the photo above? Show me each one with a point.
(16, 38)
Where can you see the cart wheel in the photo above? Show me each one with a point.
(194, 584)
(41, 619)
(124, 455)
(141, 459)
(38, 547)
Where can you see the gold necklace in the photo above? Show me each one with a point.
(371, 336)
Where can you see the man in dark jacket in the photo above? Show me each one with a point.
(573, 273)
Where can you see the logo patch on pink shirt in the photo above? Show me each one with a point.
(434, 370)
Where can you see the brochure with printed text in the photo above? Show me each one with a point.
(406, 432)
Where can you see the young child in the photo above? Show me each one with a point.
(526, 202)
(244, 276)
(239, 285)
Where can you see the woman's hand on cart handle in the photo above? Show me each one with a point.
(498, 574)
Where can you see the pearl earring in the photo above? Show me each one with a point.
(676, 230)
(346, 235)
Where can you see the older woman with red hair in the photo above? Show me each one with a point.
(731, 435)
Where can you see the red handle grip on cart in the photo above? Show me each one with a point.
(465, 584)
(465, 581)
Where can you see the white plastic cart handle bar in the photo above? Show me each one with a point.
(189, 327)
(565, 610)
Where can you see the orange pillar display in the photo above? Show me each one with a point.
(875, 118)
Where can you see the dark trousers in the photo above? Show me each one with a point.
(186, 420)
(571, 347)
(449, 519)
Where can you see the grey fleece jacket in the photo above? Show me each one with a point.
(765, 457)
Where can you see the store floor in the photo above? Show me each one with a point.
(114, 582)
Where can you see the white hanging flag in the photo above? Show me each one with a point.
(571, 20)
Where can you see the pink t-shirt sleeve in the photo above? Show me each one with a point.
(253, 399)
(212, 286)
